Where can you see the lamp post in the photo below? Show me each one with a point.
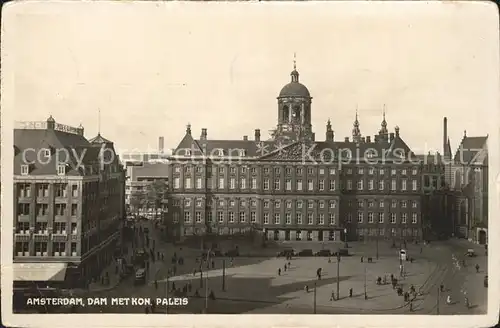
(338, 275)
(314, 305)
(366, 296)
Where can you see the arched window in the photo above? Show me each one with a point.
(296, 113)
(286, 113)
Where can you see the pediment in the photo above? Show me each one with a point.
(300, 151)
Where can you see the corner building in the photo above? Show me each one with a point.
(69, 198)
(293, 187)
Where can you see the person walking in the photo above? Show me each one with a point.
(279, 272)
(477, 268)
(332, 298)
(350, 292)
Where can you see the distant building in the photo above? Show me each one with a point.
(469, 179)
(69, 204)
(293, 187)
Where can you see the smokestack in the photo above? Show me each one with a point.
(445, 134)
(391, 136)
(245, 138)
(346, 139)
(161, 144)
(257, 134)
(368, 139)
(203, 135)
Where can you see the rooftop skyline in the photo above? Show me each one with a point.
(144, 88)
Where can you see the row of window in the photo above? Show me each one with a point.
(277, 218)
(42, 228)
(43, 209)
(381, 232)
(298, 170)
(299, 203)
(381, 216)
(403, 185)
(253, 203)
(42, 190)
(233, 183)
(41, 249)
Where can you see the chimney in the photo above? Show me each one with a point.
(80, 129)
(245, 138)
(445, 134)
(391, 136)
(161, 142)
(368, 139)
(363, 139)
(346, 139)
(51, 123)
(203, 135)
(257, 134)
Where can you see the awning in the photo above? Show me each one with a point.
(39, 271)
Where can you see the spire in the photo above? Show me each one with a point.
(295, 74)
(329, 131)
(99, 122)
(356, 133)
(383, 129)
(465, 133)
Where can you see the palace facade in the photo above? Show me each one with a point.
(295, 187)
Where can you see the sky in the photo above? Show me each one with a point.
(152, 68)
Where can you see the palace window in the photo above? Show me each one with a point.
(288, 171)
(403, 185)
(288, 204)
(277, 218)
(299, 204)
(393, 185)
(276, 170)
(310, 218)
(232, 203)
(333, 204)
(381, 218)
(243, 183)
(298, 171)
(414, 217)
(360, 217)
(381, 203)
(220, 217)
(177, 183)
(360, 185)
(299, 185)
(414, 185)
(198, 217)
(370, 184)
(360, 203)
(403, 218)
(393, 218)
(310, 185)
(414, 171)
(253, 203)
(277, 203)
(371, 170)
(370, 217)
(187, 217)
(381, 172)
(394, 203)
(321, 171)
(332, 171)
(321, 218)
(231, 217)
(349, 217)
(187, 183)
(266, 218)
(361, 171)
(332, 218)
(266, 184)
(288, 218)
(266, 170)
(221, 202)
(253, 217)
(349, 184)
(198, 203)
(414, 204)
(232, 183)
(370, 203)
(198, 183)
(288, 184)
(221, 183)
(321, 185)
(298, 217)
(393, 171)
(321, 204)
(381, 185)
(403, 172)
(243, 217)
(332, 184)
(403, 204)
(310, 170)
(310, 204)
(266, 203)
(254, 183)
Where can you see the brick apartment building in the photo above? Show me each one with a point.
(68, 204)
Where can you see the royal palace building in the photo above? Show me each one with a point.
(295, 187)
(69, 201)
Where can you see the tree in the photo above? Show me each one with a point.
(156, 195)
(137, 201)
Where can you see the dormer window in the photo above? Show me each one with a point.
(188, 152)
(220, 152)
(25, 169)
(61, 169)
(242, 152)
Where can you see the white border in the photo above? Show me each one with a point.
(138, 320)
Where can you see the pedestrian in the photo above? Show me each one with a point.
(284, 267)
(306, 288)
(157, 254)
(392, 277)
(213, 264)
(332, 298)
(477, 268)
(350, 292)
(412, 289)
(329, 260)
(194, 272)
(289, 263)
(361, 259)
(279, 272)
(156, 284)
(411, 306)
(173, 285)
(441, 288)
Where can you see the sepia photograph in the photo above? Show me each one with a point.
(169, 162)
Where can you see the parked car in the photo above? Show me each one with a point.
(286, 252)
(470, 253)
(323, 252)
(306, 252)
(342, 252)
